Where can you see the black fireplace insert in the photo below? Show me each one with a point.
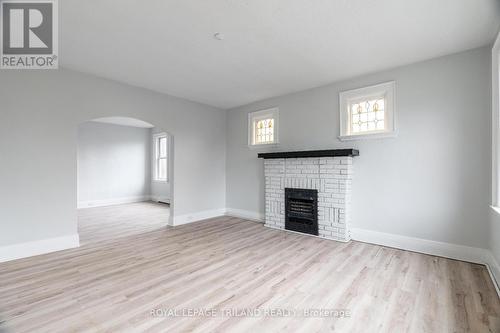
(301, 210)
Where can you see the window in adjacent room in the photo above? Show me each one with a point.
(367, 112)
(161, 157)
(263, 127)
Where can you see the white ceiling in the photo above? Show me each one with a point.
(271, 47)
(124, 121)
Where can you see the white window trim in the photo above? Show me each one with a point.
(258, 115)
(156, 136)
(387, 90)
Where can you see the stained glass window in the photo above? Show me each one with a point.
(368, 112)
(264, 131)
(367, 116)
(263, 127)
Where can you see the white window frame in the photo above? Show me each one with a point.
(384, 90)
(254, 117)
(157, 158)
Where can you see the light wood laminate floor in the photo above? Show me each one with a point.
(111, 222)
(117, 277)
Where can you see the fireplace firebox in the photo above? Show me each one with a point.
(301, 210)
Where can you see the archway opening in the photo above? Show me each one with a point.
(124, 178)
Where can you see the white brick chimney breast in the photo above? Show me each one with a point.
(331, 176)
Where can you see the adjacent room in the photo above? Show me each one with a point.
(250, 166)
(123, 178)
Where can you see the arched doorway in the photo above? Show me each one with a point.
(124, 177)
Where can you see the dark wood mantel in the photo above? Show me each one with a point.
(310, 153)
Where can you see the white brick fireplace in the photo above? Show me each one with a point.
(331, 176)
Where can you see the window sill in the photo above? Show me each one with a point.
(264, 145)
(160, 181)
(385, 135)
(496, 209)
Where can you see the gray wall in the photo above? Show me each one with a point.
(430, 182)
(114, 162)
(39, 115)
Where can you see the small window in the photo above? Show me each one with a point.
(161, 157)
(367, 112)
(263, 127)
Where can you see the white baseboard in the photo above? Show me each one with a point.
(198, 216)
(448, 250)
(112, 201)
(245, 214)
(157, 198)
(34, 248)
